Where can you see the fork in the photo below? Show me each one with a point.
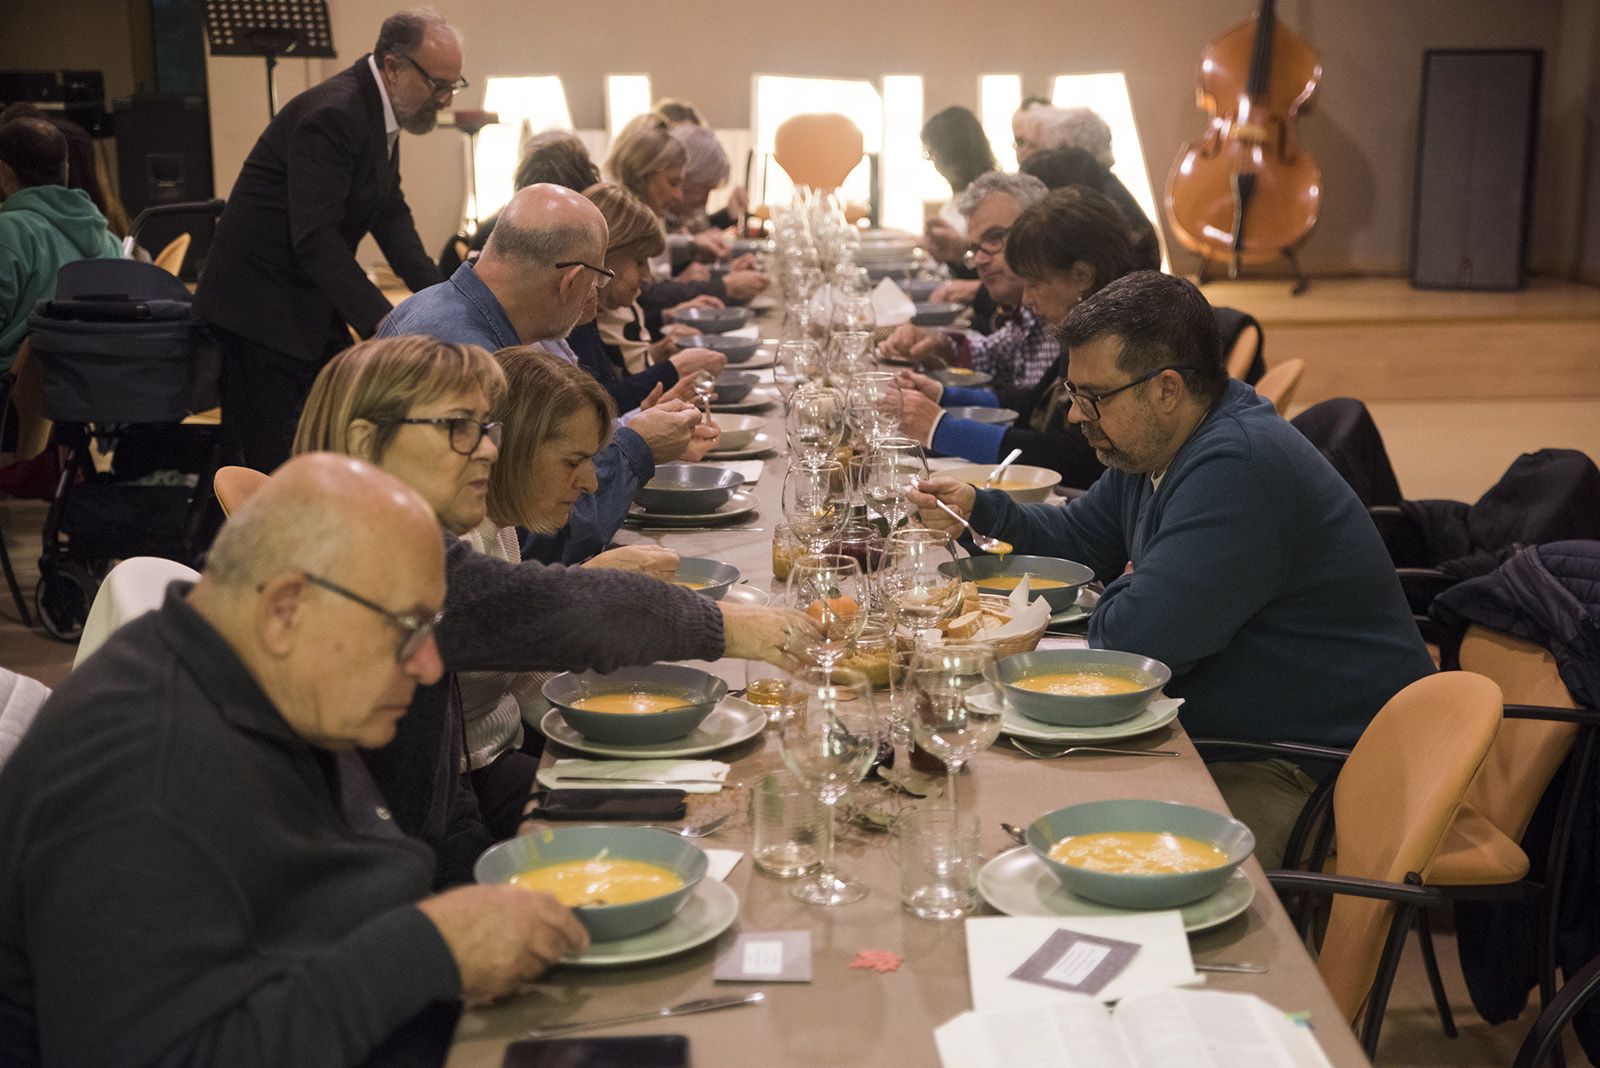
(1047, 754)
(700, 830)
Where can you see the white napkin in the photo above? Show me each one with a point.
(721, 862)
(891, 305)
(671, 774)
(748, 330)
(750, 469)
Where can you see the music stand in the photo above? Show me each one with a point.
(269, 29)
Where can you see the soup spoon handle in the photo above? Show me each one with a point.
(681, 1009)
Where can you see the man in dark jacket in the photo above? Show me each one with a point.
(282, 289)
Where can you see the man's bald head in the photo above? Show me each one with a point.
(546, 224)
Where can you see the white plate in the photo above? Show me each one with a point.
(709, 910)
(1018, 884)
(1087, 601)
(744, 593)
(739, 505)
(731, 722)
(1015, 723)
(760, 445)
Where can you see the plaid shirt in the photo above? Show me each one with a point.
(1018, 354)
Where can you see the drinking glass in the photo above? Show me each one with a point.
(830, 588)
(892, 469)
(852, 314)
(797, 362)
(938, 862)
(828, 739)
(873, 401)
(849, 353)
(785, 825)
(918, 592)
(815, 502)
(956, 702)
(815, 424)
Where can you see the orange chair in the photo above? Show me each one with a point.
(1244, 350)
(234, 485)
(170, 259)
(818, 151)
(1280, 382)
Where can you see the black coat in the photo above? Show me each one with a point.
(282, 269)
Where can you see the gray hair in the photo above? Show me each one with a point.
(1025, 189)
(544, 246)
(1075, 128)
(401, 33)
(707, 163)
(296, 534)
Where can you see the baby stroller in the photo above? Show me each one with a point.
(118, 351)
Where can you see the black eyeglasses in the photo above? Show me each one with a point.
(992, 243)
(465, 434)
(1089, 403)
(603, 277)
(440, 86)
(415, 627)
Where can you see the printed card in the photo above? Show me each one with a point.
(766, 957)
(1078, 963)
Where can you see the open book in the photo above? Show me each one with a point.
(1157, 1028)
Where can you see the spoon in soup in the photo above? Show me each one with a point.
(982, 541)
(994, 476)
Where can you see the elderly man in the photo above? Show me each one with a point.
(196, 866)
(282, 289)
(1019, 352)
(1232, 551)
(535, 281)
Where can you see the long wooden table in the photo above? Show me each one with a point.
(857, 1017)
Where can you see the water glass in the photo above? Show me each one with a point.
(830, 588)
(815, 424)
(957, 703)
(938, 862)
(816, 503)
(785, 825)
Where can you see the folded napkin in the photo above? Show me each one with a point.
(682, 775)
(721, 862)
(891, 305)
(750, 469)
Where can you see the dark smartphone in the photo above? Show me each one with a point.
(634, 1051)
(612, 805)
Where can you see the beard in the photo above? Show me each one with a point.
(1109, 454)
(421, 121)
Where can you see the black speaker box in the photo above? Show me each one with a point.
(1475, 153)
(163, 151)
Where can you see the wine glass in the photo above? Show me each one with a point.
(873, 401)
(892, 470)
(956, 703)
(815, 424)
(797, 362)
(852, 314)
(849, 354)
(830, 588)
(828, 736)
(918, 577)
(816, 502)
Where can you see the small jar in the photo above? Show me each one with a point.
(785, 547)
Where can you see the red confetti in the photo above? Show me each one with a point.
(879, 960)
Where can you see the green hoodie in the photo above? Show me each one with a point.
(42, 228)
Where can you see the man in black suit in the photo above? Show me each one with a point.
(282, 289)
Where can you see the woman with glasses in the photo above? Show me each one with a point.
(421, 410)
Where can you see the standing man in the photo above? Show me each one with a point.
(282, 289)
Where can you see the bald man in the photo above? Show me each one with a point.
(196, 867)
(531, 286)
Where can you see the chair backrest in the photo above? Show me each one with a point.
(20, 698)
(170, 259)
(1280, 382)
(1527, 752)
(818, 151)
(133, 587)
(1395, 799)
(1243, 353)
(234, 485)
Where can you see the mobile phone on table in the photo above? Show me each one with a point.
(632, 1051)
(568, 804)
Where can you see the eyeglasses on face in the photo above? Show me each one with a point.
(465, 434)
(602, 278)
(439, 85)
(991, 243)
(1089, 403)
(415, 627)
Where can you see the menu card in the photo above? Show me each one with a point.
(1007, 967)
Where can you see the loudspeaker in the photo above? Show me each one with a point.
(163, 151)
(1475, 153)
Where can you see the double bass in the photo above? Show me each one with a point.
(1247, 191)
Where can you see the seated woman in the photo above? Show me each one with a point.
(419, 409)
(1061, 167)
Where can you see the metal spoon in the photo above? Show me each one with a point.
(1045, 753)
(982, 541)
(701, 830)
(994, 476)
(1014, 833)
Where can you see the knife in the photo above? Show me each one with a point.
(681, 1009)
(652, 782)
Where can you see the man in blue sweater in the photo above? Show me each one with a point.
(1232, 551)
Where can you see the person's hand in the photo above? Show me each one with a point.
(956, 291)
(650, 560)
(738, 202)
(917, 415)
(683, 390)
(690, 361)
(503, 936)
(679, 331)
(694, 272)
(921, 383)
(742, 285)
(757, 632)
(709, 246)
(705, 438)
(704, 300)
(667, 428)
(919, 344)
(650, 399)
(747, 262)
(663, 349)
(944, 242)
(960, 496)
(900, 340)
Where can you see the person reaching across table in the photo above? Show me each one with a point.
(1232, 551)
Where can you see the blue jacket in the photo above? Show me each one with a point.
(463, 310)
(1257, 577)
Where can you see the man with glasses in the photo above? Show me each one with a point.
(282, 289)
(1231, 550)
(197, 866)
(1021, 349)
(537, 279)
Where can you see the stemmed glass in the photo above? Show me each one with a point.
(830, 588)
(797, 362)
(956, 703)
(892, 469)
(816, 502)
(852, 314)
(919, 578)
(849, 354)
(874, 404)
(828, 736)
(816, 424)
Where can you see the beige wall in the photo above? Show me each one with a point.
(72, 35)
(1363, 129)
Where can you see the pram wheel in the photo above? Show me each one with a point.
(62, 599)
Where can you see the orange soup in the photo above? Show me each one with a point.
(1079, 684)
(630, 704)
(600, 882)
(1138, 853)
(1011, 582)
(690, 584)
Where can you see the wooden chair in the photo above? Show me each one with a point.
(170, 259)
(818, 151)
(234, 485)
(1243, 353)
(1280, 382)
(27, 397)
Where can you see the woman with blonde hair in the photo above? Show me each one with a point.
(421, 409)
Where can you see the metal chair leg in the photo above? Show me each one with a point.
(1383, 982)
(1430, 964)
(11, 581)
